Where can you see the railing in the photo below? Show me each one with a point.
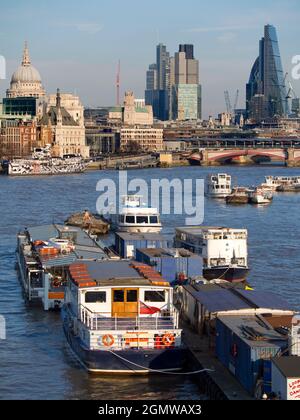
(164, 320)
(136, 340)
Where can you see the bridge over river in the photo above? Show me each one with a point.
(246, 156)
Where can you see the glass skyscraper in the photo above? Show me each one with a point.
(266, 92)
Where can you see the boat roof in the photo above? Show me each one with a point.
(198, 230)
(115, 273)
(289, 366)
(85, 247)
(266, 335)
(167, 253)
(135, 236)
(139, 210)
(217, 298)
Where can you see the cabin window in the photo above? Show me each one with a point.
(95, 297)
(119, 296)
(122, 219)
(155, 296)
(130, 219)
(142, 220)
(153, 220)
(132, 296)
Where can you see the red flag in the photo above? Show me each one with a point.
(148, 310)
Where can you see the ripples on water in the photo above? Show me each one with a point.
(34, 360)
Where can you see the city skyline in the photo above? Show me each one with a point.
(78, 50)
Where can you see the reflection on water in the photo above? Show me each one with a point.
(35, 361)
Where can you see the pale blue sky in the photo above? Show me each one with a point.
(76, 44)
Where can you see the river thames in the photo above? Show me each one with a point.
(35, 362)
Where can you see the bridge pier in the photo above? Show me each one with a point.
(293, 158)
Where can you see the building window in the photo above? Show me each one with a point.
(155, 296)
(95, 297)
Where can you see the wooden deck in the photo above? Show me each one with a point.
(221, 377)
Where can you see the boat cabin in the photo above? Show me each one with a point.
(128, 302)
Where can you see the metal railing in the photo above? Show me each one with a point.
(166, 319)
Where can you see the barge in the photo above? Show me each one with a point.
(44, 254)
(119, 318)
(239, 195)
(224, 251)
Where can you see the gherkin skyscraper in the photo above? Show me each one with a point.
(266, 91)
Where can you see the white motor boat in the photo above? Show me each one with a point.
(136, 217)
(218, 186)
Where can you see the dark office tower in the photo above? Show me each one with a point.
(266, 93)
(157, 92)
(188, 49)
(151, 83)
(163, 67)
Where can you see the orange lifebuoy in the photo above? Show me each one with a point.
(168, 340)
(56, 283)
(108, 340)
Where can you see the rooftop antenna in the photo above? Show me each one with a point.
(158, 36)
(118, 83)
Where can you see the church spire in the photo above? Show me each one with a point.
(26, 58)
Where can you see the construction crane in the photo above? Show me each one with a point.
(228, 102)
(118, 83)
(231, 110)
(236, 101)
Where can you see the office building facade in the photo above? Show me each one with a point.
(266, 92)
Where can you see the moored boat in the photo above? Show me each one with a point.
(136, 217)
(239, 195)
(224, 251)
(260, 196)
(218, 186)
(43, 256)
(119, 318)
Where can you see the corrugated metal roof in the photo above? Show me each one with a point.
(242, 325)
(167, 253)
(86, 247)
(217, 298)
(60, 261)
(220, 300)
(263, 299)
(107, 270)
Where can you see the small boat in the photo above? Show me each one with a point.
(289, 188)
(136, 217)
(239, 195)
(218, 186)
(271, 184)
(119, 318)
(260, 196)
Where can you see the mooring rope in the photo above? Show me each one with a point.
(161, 371)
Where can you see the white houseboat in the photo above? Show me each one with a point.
(218, 186)
(119, 318)
(44, 254)
(224, 251)
(274, 183)
(136, 217)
